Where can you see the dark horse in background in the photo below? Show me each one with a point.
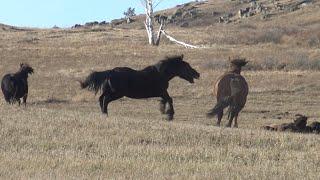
(231, 89)
(15, 86)
(152, 81)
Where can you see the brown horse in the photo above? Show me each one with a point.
(231, 89)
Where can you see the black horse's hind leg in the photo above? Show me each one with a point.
(163, 103)
(8, 99)
(106, 100)
(170, 111)
(25, 100)
(19, 101)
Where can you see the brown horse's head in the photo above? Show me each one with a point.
(236, 64)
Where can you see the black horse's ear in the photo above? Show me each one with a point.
(21, 64)
(182, 56)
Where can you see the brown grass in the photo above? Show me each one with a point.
(62, 134)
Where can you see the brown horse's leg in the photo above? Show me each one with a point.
(235, 121)
(163, 106)
(219, 115)
(231, 116)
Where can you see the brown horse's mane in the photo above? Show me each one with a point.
(239, 62)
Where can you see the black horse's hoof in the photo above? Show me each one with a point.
(169, 118)
(105, 113)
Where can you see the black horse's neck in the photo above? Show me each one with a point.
(166, 69)
(165, 73)
(22, 74)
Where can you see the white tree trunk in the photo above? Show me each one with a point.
(149, 21)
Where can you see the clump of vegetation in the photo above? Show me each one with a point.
(129, 13)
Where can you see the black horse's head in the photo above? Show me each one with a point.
(175, 66)
(26, 68)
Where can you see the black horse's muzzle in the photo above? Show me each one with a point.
(193, 75)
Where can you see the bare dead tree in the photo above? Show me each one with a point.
(149, 6)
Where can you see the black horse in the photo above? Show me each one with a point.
(15, 86)
(152, 81)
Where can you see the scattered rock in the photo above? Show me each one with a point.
(76, 26)
(129, 20)
(117, 22)
(255, 8)
(185, 24)
(161, 18)
(224, 19)
(94, 23)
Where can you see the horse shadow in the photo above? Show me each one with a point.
(52, 101)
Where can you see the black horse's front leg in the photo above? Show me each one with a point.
(102, 104)
(170, 111)
(163, 103)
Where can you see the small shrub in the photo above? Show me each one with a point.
(270, 36)
(129, 13)
(314, 41)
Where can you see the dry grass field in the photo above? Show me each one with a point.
(61, 134)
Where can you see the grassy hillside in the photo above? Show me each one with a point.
(62, 134)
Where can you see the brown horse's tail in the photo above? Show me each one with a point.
(94, 81)
(220, 106)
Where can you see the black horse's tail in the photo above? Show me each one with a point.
(94, 81)
(220, 106)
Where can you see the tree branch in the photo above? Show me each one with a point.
(179, 42)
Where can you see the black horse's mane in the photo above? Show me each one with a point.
(167, 61)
